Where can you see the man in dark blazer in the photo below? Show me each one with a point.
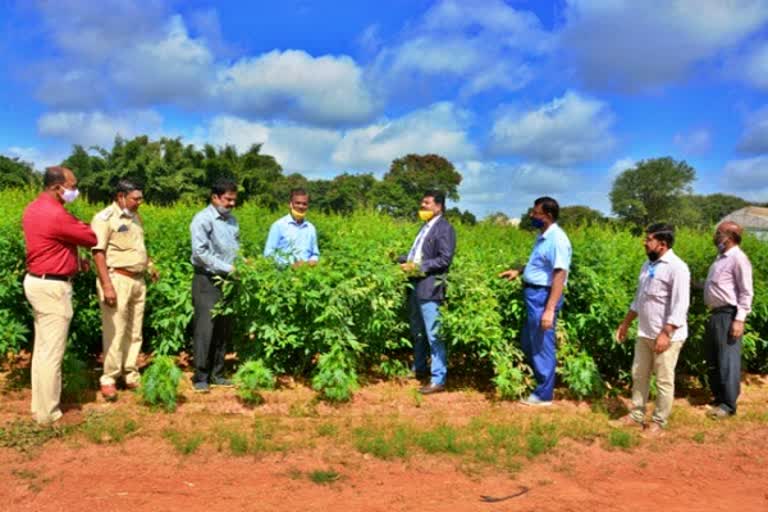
(428, 261)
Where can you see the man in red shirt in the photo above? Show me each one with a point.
(52, 235)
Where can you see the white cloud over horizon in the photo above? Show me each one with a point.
(568, 130)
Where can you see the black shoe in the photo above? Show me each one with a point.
(222, 383)
(432, 388)
(201, 387)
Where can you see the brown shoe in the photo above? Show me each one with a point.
(432, 388)
(627, 421)
(655, 430)
(130, 386)
(109, 392)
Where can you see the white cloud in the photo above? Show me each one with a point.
(566, 131)
(97, 128)
(621, 165)
(697, 142)
(439, 129)
(754, 66)
(629, 45)
(754, 140)
(297, 148)
(172, 69)
(747, 174)
(295, 85)
(39, 158)
(479, 45)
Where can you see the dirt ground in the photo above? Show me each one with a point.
(699, 464)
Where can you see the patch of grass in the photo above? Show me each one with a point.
(323, 477)
(24, 474)
(383, 443)
(295, 474)
(622, 439)
(108, 428)
(441, 439)
(252, 378)
(303, 409)
(184, 443)
(327, 430)
(541, 438)
(698, 437)
(418, 398)
(25, 435)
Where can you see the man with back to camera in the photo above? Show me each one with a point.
(544, 279)
(215, 244)
(51, 235)
(120, 258)
(661, 307)
(728, 294)
(428, 262)
(292, 239)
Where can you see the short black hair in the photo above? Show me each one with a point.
(126, 186)
(223, 185)
(437, 195)
(299, 191)
(54, 176)
(548, 206)
(662, 232)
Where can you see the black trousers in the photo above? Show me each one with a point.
(723, 358)
(212, 334)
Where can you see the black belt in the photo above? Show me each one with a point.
(723, 309)
(51, 277)
(199, 271)
(536, 286)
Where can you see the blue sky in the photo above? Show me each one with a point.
(526, 97)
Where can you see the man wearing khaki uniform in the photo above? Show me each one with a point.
(121, 260)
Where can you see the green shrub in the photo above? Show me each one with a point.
(160, 384)
(250, 379)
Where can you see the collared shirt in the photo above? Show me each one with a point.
(215, 241)
(551, 251)
(290, 241)
(729, 282)
(121, 237)
(52, 235)
(415, 254)
(663, 296)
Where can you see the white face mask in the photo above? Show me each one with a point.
(70, 195)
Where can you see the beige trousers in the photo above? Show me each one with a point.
(121, 329)
(52, 311)
(645, 363)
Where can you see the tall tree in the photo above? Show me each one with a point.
(652, 191)
(16, 173)
(408, 177)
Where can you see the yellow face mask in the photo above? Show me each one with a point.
(299, 216)
(426, 215)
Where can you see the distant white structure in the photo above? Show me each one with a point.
(753, 219)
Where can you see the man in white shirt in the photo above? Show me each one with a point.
(661, 306)
(728, 294)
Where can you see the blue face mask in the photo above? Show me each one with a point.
(537, 223)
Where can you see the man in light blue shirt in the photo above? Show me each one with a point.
(215, 244)
(292, 239)
(544, 278)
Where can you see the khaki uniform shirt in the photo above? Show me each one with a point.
(121, 236)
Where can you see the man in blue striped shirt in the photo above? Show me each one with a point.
(292, 239)
(215, 244)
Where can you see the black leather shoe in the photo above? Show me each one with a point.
(432, 388)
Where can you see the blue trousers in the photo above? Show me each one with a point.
(424, 318)
(539, 346)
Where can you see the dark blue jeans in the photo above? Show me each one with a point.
(539, 346)
(425, 326)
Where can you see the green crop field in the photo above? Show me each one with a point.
(346, 318)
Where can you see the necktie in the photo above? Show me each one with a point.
(412, 253)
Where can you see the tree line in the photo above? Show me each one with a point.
(658, 189)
